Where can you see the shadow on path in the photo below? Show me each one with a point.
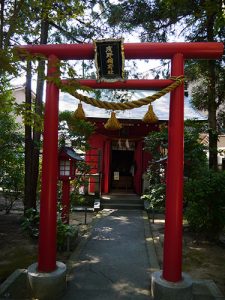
(114, 263)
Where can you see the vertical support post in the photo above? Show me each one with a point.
(65, 201)
(172, 266)
(106, 166)
(48, 202)
(138, 159)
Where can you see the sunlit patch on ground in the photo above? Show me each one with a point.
(103, 234)
(126, 288)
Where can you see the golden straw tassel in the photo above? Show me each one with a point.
(113, 123)
(150, 116)
(79, 112)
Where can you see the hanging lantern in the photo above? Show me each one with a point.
(150, 116)
(113, 123)
(79, 112)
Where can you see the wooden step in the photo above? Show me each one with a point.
(121, 201)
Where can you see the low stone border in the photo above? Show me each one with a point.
(16, 286)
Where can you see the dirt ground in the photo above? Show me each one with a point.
(18, 250)
(201, 259)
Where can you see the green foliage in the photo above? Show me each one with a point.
(74, 130)
(80, 182)
(156, 142)
(77, 199)
(30, 224)
(204, 190)
(6, 98)
(64, 232)
(7, 67)
(29, 116)
(221, 122)
(84, 200)
(11, 156)
(205, 210)
(155, 199)
(194, 152)
(199, 73)
(195, 159)
(156, 20)
(194, 21)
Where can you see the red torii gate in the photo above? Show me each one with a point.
(177, 52)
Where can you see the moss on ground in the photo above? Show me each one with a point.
(16, 258)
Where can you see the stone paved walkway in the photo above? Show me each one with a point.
(114, 262)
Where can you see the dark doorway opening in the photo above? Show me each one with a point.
(122, 171)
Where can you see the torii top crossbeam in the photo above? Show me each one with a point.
(200, 50)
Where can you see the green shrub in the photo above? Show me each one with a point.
(77, 199)
(64, 233)
(31, 222)
(205, 204)
(155, 200)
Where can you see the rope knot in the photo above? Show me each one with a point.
(113, 123)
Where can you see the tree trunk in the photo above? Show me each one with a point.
(212, 120)
(28, 200)
(212, 105)
(2, 23)
(13, 22)
(38, 111)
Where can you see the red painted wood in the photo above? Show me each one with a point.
(146, 159)
(172, 266)
(65, 201)
(47, 232)
(211, 50)
(101, 140)
(173, 227)
(96, 142)
(138, 157)
(140, 84)
(106, 166)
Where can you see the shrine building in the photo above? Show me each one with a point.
(117, 157)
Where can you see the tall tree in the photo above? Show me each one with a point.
(55, 25)
(160, 20)
(42, 22)
(32, 146)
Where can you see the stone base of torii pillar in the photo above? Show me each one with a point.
(46, 286)
(162, 289)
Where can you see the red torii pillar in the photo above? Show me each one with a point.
(48, 201)
(172, 261)
(172, 265)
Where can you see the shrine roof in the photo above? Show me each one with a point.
(160, 107)
(70, 152)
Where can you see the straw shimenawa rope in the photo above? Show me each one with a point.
(132, 104)
(113, 123)
(150, 116)
(79, 112)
